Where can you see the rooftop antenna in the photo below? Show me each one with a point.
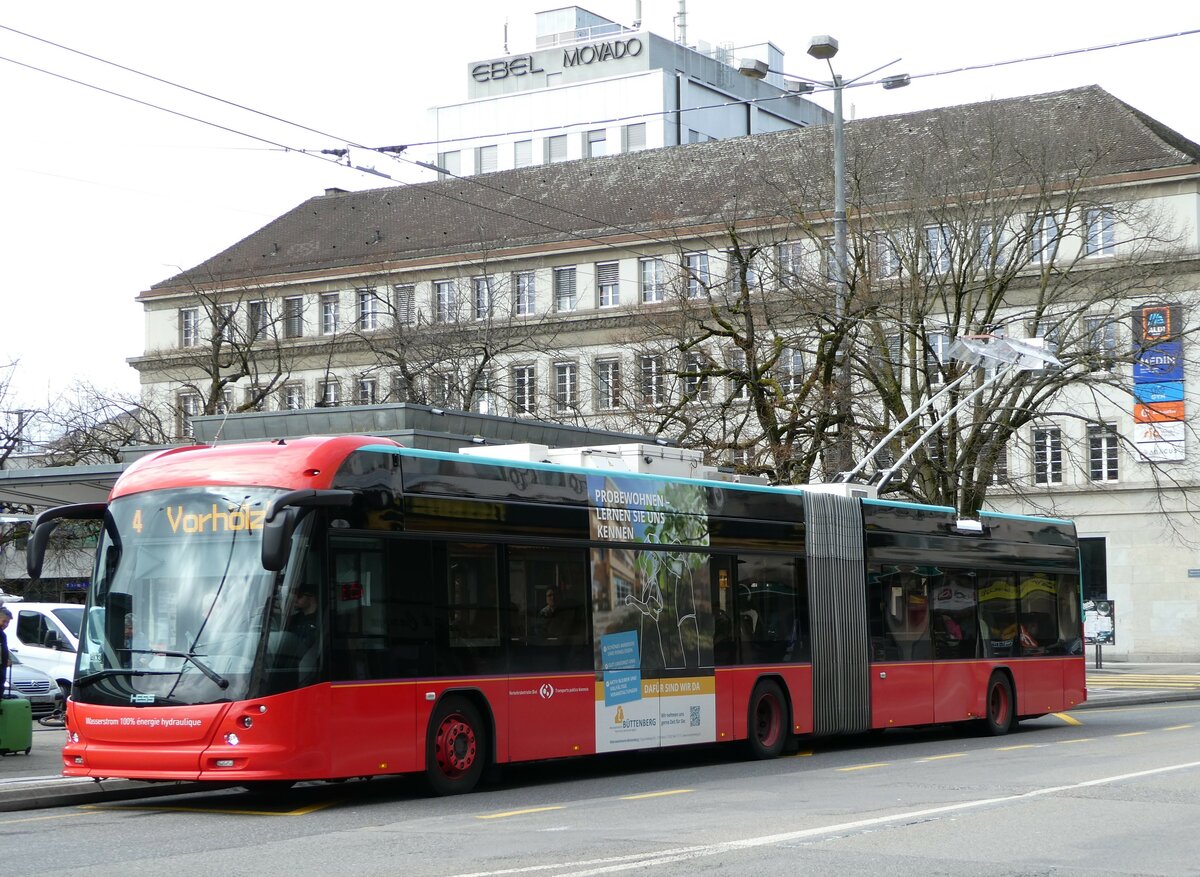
(681, 24)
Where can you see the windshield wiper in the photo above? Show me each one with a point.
(89, 678)
(208, 671)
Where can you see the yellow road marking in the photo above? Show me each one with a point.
(656, 794)
(1018, 746)
(1070, 720)
(1177, 727)
(1133, 734)
(1079, 740)
(526, 812)
(803, 753)
(940, 757)
(865, 766)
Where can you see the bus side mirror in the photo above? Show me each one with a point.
(277, 539)
(35, 550)
(44, 524)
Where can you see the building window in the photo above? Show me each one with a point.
(524, 389)
(739, 379)
(330, 392)
(401, 388)
(1047, 456)
(481, 288)
(190, 405)
(225, 403)
(635, 137)
(526, 300)
(189, 327)
(1000, 466)
(484, 399)
(1101, 340)
(653, 288)
(443, 294)
(698, 278)
(790, 256)
(1101, 232)
(608, 384)
(608, 284)
(368, 310)
(733, 272)
(887, 257)
(937, 249)
(486, 159)
(1102, 452)
(225, 322)
(258, 319)
(556, 148)
(654, 380)
(595, 142)
(566, 387)
(696, 383)
(523, 153)
(564, 289)
(1043, 238)
(330, 322)
(367, 391)
(293, 317)
(993, 245)
(937, 354)
(406, 305)
(450, 162)
(791, 370)
(293, 397)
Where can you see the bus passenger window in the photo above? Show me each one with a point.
(471, 599)
(549, 595)
(997, 615)
(1039, 625)
(952, 609)
(767, 626)
(899, 614)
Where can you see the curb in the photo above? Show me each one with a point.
(67, 791)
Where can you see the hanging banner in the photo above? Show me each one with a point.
(1158, 410)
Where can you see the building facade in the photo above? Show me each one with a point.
(592, 87)
(691, 292)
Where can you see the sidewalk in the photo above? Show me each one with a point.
(30, 782)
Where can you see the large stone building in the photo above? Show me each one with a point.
(689, 291)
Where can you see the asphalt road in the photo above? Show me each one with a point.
(1109, 790)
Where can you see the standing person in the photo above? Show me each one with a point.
(5, 660)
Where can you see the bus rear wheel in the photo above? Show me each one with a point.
(767, 730)
(457, 748)
(1000, 706)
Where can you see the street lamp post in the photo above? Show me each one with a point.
(823, 48)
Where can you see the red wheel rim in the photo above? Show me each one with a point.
(768, 720)
(999, 704)
(454, 746)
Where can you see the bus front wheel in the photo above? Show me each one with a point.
(1000, 705)
(768, 720)
(457, 749)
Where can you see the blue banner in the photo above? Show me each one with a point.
(1158, 363)
(1161, 391)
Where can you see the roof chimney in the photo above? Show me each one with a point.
(335, 191)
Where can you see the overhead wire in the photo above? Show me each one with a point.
(332, 157)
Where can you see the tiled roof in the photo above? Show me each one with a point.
(650, 193)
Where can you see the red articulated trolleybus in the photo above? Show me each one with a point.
(325, 608)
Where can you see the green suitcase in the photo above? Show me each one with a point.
(16, 725)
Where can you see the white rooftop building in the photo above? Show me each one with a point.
(593, 87)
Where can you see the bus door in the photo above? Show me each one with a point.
(551, 691)
(901, 658)
(382, 637)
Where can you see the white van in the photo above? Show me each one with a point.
(46, 636)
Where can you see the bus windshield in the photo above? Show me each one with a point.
(178, 600)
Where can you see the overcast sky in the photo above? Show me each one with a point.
(103, 197)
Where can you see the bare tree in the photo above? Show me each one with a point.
(88, 426)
